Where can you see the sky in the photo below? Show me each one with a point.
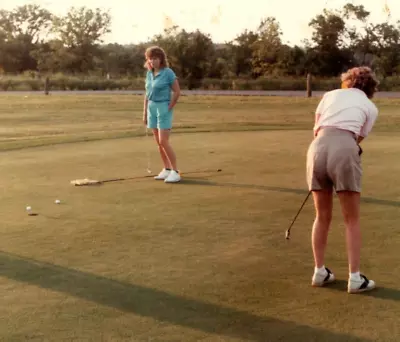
(135, 21)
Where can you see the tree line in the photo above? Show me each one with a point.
(32, 39)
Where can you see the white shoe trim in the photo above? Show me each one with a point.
(163, 175)
(363, 285)
(319, 280)
(173, 177)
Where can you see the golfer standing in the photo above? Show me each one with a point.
(158, 108)
(344, 117)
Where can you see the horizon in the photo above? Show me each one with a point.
(216, 19)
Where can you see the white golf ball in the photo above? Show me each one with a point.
(28, 208)
(57, 201)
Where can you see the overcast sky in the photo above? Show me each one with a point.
(136, 20)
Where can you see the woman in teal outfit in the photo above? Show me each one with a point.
(158, 108)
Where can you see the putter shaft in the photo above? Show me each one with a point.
(294, 220)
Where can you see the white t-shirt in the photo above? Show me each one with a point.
(349, 109)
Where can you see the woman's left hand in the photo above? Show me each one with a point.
(176, 93)
(360, 150)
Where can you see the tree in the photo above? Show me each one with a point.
(358, 40)
(21, 32)
(32, 38)
(376, 45)
(386, 42)
(30, 21)
(221, 62)
(328, 56)
(189, 53)
(242, 49)
(80, 31)
(120, 60)
(292, 60)
(266, 48)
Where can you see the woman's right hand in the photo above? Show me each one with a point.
(145, 118)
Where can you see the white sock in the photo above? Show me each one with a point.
(355, 276)
(321, 270)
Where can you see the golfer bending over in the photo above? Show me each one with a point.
(158, 108)
(344, 117)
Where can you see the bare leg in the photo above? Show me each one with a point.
(323, 206)
(163, 154)
(350, 203)
(164, 135)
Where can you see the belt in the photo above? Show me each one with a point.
(339, 130)
(158, 101)
(360, 150)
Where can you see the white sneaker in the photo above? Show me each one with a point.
(360, 285)
(173, 177)
(162, 175)
(322, 278)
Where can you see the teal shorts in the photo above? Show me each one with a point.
(158, 115)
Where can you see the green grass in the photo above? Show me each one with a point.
(204, 260)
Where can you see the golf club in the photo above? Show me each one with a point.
(288, 231)
(88, 182)
(148, 153)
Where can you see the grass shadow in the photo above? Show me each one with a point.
(194, 181)
(147, 176)
(157, 304)
(380, 292)
(368, 200)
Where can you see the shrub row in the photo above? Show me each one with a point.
(62, 83)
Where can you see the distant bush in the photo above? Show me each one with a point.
(286, 83)
(60, 82)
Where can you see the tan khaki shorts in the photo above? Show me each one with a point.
(333, 161)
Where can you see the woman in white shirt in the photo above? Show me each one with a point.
(344, 117)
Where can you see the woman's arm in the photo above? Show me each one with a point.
(318, 113)
(317, 117)
(176, 93)
(145, 102)
(368, 124)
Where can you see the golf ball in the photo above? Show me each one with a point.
(28, 208)
(57, 201)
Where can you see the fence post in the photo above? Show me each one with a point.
(47, 86)
(309, 85)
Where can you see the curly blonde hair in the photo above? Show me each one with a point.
(361, 78)
(156, 52)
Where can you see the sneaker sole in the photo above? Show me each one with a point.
(329, 281)
(355, 291)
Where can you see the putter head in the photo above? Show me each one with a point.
(148, 171)
(287, 235)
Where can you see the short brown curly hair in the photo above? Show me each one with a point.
(361, 78)
(156, 52)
